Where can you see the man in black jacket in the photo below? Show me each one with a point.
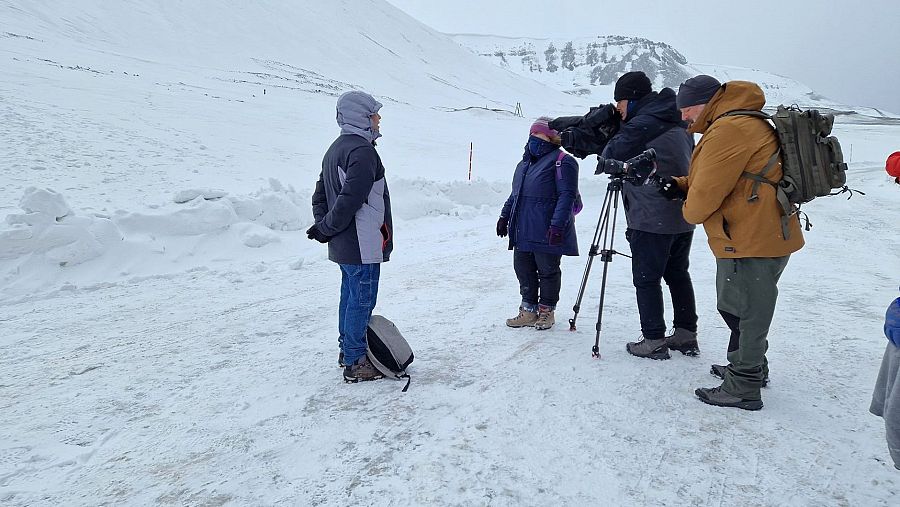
(352, 209)
(660, 238)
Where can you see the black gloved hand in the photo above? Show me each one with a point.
(502, 227)
(314, 233)
(668, 187)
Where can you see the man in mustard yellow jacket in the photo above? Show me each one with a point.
(743, 222)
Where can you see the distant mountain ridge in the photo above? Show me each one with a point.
(585, 61)
(589, 66)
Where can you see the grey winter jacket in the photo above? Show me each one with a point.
(351, 203)
(886, 396)
(654, 122)
(886, 399)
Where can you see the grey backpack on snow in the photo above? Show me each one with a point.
(387, 349)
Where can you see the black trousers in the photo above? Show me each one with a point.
(539, 277)
(656, 257)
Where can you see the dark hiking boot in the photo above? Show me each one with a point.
(653, 349)
(361, 371)
(545, 318)
(523, 319)
(716, 396)
(683, 341)
(341, 359)
(718, 370)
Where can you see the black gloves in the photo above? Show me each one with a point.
(668, 187)
(314, 233)
(502, 227)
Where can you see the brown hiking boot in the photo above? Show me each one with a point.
(545, 318)
(360, 371)
(524, 318)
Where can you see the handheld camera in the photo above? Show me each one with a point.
(636, 170)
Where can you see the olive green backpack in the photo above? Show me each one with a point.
(811, 159)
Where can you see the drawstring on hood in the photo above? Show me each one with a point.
(354, 114)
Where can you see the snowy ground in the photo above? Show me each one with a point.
(155, 352)
(219, 386)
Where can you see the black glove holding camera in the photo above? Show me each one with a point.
(668, 187)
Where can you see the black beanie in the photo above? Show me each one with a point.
(697, 90)
(632, 86)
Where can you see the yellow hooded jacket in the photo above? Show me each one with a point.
(717, 195)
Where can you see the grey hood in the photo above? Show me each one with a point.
(354, 111)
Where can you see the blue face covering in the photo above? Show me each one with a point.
(629, 109)
(537, 147)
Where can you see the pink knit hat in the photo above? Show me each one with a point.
(542, 126)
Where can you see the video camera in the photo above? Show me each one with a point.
(636, 170)
(587, 135)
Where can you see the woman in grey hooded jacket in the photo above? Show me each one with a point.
(886, 398)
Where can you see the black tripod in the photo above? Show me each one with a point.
(605, 232)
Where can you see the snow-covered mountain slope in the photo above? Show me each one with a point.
(118, 106)
(590, 66)
(320, 47)
(167, 332)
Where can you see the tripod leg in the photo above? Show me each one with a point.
(606, 257)
(602, 222)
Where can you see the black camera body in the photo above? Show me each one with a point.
(587, 135)
(636, 170)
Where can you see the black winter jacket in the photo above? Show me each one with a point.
(352, 204)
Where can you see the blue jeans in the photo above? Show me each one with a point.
(359, 290)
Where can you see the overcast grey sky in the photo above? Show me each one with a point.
(846, 50)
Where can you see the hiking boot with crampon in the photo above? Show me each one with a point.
(718, 370)
(545, 318)
(651, 349)
(523, 319)
(361, 371)
(683, 341)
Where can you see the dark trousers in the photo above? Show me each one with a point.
(746, 292)
(656, 257)
(539, 277)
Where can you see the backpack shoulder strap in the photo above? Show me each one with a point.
(746, 112)
(759, 177)
(559, 160)
(787, 209)
(578, 205)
